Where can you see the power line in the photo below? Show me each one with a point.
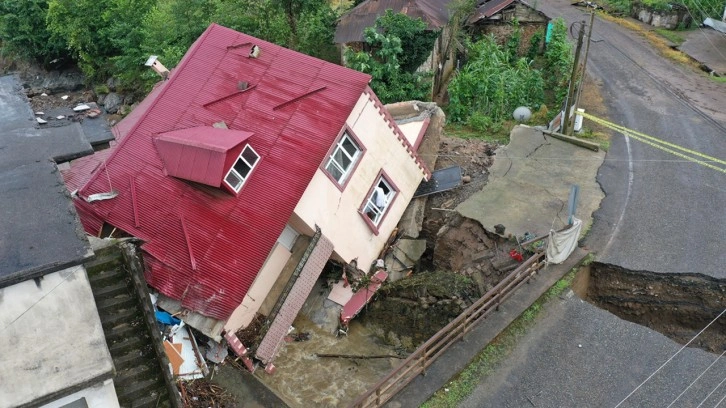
(711, 393)
(697, 378)
(671, 358)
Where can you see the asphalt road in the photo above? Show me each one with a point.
(661, 213)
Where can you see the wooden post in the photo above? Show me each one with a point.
(566, 124)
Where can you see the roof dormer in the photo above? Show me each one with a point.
(209, 155)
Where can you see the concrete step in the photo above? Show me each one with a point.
(107, 276)
(120, 332)
(140, 372)
(126, 343)
(138, 389)
(157, 399)
(103, 261)
(120, 316)
(110, 290)
(122, 301)
(131, 359)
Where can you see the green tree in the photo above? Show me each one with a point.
(389, 81)
(23, 31)
(99, 31)
(415, 38)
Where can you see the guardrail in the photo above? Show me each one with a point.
(427, 353)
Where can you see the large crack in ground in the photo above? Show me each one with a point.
(675, 305)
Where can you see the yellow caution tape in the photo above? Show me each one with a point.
(660, 144)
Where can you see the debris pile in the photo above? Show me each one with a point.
(204, 394)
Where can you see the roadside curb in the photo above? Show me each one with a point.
(459, 355)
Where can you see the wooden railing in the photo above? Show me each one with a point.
(425, 355)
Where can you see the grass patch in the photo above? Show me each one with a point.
(488, 359)
(654, 38)
(500, 136)
(671, 36)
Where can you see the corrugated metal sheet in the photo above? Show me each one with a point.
(228, 237)
(489, 9)
(435, 13)
(199, 153)
(267, 349)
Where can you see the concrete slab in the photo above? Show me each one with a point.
(39, 230)
(53, 342)
(529, 185)
(703, 45)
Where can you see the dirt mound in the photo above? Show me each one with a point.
(411, 310)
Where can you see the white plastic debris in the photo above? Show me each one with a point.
(41, 121)
(40, 113)
(81, 107)
(59, 117)
(44, 94)
(579, 345)
(64, 97)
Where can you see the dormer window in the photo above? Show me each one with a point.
(242, 167)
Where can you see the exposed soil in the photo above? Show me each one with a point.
(675, 305)
(461, 263)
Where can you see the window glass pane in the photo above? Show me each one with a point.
(343, 161)
(242, 168)
(233, 180)
(349, 146)
(334, 171)
(250, 156)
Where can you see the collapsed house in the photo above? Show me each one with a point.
(243, 173)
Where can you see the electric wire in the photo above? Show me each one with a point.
(697, 378)
(700, 30)
(711, 393)
(719, 402)
(671, 358)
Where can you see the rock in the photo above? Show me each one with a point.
(57, 81)
(100, 99)
(112, 102)
(112, 83)
(466, 179)
(128, 99)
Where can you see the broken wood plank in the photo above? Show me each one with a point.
(335, 355)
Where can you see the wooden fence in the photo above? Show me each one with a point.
(427, 353)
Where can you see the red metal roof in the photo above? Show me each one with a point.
(199, 153)
(203, 245)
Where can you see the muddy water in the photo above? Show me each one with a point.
(303, 380)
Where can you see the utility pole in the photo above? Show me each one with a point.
(573, 77)
(584, 62)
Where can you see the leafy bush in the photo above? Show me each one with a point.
(491, 85)
(559, 58)
(23, 31)
(390, 82)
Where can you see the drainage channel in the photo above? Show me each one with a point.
(675, 305)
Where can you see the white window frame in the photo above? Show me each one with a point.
(236, 174)
(353, 159)
(371, 209)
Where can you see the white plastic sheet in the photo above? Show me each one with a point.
(561, 244)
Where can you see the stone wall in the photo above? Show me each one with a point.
(676, 17)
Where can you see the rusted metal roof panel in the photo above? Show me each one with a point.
(435, 13)
(488, 9)
(204, 246)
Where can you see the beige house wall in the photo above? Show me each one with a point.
(337, 213)
(245, 312)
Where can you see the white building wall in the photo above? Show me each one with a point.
(337, 213)
(101, 395)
